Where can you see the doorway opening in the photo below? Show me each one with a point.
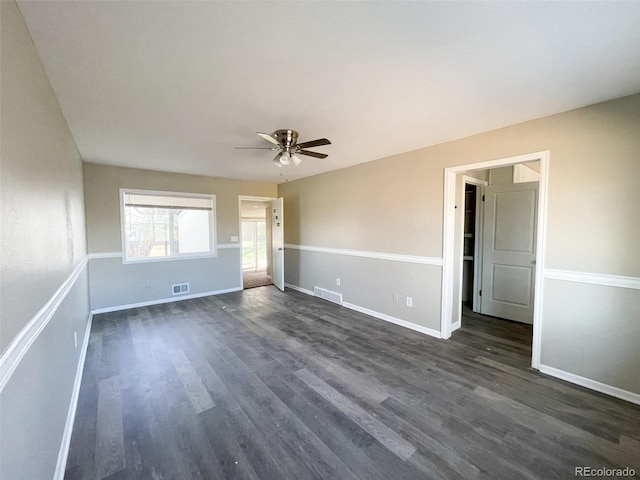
(261, 241)
(255, 272)
(256, 243)
(495, 216)
(498, 258)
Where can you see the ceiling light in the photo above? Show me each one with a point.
(295, 159)
(277, 160)
(284, 158)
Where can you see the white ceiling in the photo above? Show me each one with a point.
(176, 85)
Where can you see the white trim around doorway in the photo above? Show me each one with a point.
(449, 232)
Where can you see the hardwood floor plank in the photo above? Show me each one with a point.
(358, 449)
(286, 433)
(377, 429)
(191, 381)
(109, 431)
(533, 418)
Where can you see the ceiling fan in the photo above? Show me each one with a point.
(286, 143)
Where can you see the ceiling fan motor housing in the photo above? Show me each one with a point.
(286, 138)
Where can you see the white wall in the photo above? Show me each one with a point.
(43, 260)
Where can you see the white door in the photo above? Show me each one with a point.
(277, 242)
(509, 251)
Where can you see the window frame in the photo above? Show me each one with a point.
(213, 243)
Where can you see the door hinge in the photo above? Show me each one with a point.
(483, 198)
(479, 293)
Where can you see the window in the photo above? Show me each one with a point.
(166, 225)
(254, 245)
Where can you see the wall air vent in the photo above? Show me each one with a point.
(328, 295)
(179, 288)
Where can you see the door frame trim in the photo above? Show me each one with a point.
(449, 296)
(242, 198)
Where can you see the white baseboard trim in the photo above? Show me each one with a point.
(593, 278)
(592, 384)
(395, 257)
(159, 301)
(373, 313)
(455, 326)
(299, 289)
(397, 321)
(20, 345)
(73, 405)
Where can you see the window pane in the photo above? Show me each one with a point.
(147, 232)
(192, 231)
(167, 225)
(249, 245)
(261, 240)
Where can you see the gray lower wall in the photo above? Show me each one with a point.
(370, 283)
(592, 331)
(35, 402)
(114, 284)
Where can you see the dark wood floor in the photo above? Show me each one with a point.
(262, 384)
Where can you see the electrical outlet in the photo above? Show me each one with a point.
(337, 281)
(75, 339)
(409, 302)
(396, 298)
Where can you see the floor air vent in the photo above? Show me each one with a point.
(179, 288)
(328, 295)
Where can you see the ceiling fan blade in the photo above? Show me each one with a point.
(312, 154)
(314, 143)
(269, 138)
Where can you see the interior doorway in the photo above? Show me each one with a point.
(499, 241)
(493, 255)
(498, 258)
(472, 241)
(255, 238)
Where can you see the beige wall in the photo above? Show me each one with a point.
(397, 201)
(395, 205)
(43, 243)
(114, 284)
(43, 234)
(102, 184)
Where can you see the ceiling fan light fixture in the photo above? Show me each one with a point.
(284, 158)
(295, 159)
(276, 160)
